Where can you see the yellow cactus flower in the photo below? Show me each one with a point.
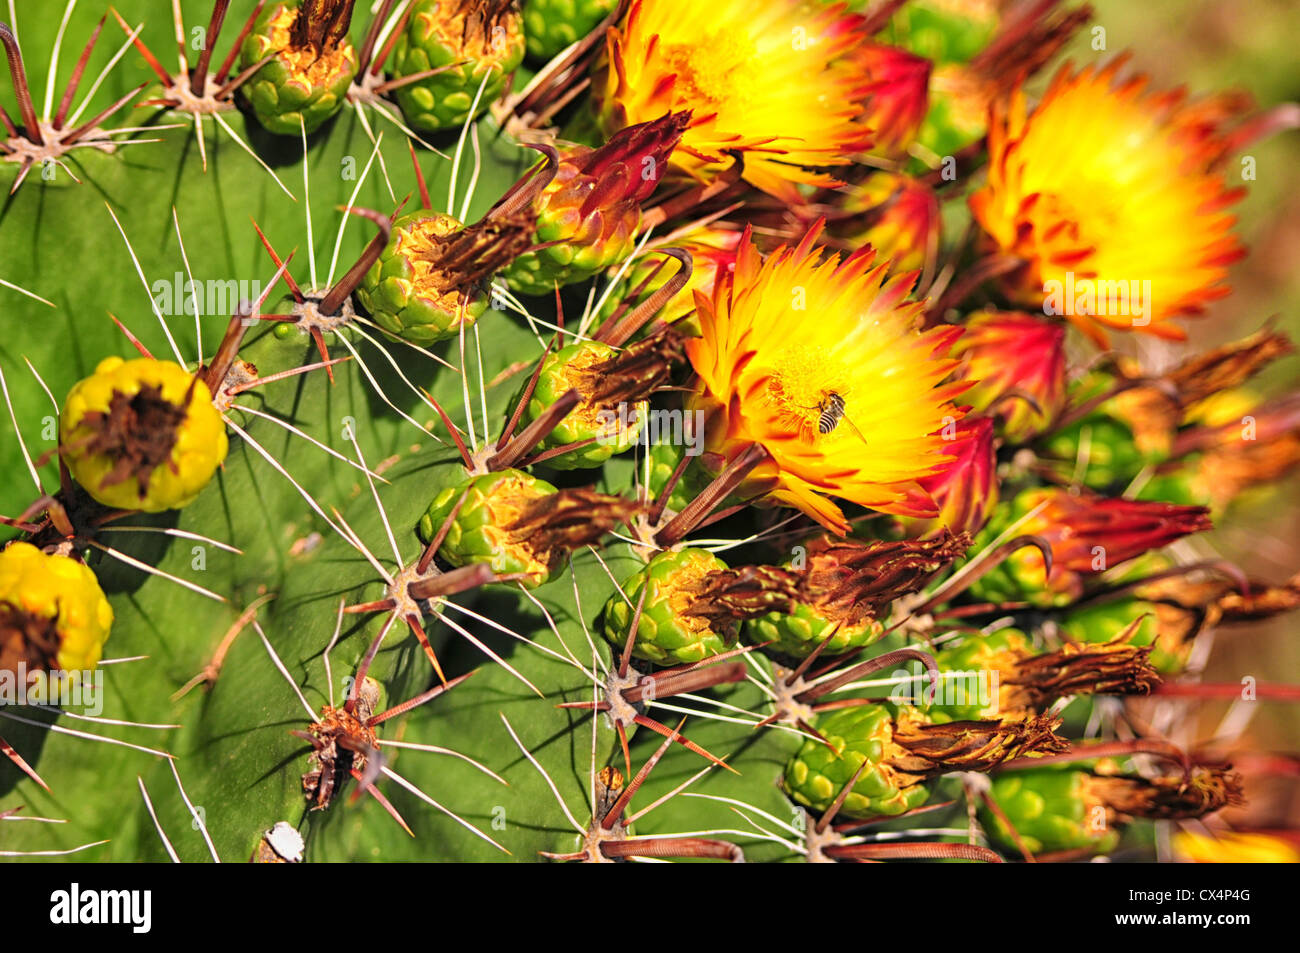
(53, 615)
(1109, 193)
(767, 80)
(141, 434)
(1227, 847)
(819, 360)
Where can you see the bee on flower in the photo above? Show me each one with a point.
(819, 360)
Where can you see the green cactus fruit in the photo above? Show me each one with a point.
(665, 457)
(1183, 485)
(1068, 807)
(1051, 809)
(614, 429)
(476, 44)
(480, 532)
(519, 525)
(1167, 628)
(846, 587)
(432, 279)
(552, 25)
(816, 774)
(314, 64)
(1009, 581)
(1088, 534)
(668, 634)
(407, 294)
(589, 212)
(1003, 675)
(966, 690)
(796, 634)
(902, 748)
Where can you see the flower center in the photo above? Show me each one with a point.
(801, 386)
(719, 78)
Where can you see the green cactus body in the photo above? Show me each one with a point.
(1050, 810)
(298, 89)
(403, 292)
(562, 370)
(798, 633)
(552, 25)
(441, 34)
(478, 534)
(666, 635)
(293, 575)
(816, 774)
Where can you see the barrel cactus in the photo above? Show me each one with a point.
(418, 452)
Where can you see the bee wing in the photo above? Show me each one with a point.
(856, 430)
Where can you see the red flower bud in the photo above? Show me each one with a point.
(966, 490)
(1014, 358)
(896, 94)
(1089, 534)
(896, 215)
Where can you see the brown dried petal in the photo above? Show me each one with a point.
(138, 432)
(744, 593)
(634, 373)
(466, 258)
(1172, 797)
(554, 524)
(856, 582)
(1115, 668)
(321, 24)
(31, 640)
(971, 745)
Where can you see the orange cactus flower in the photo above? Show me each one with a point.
(819, 360)
(1109, 193)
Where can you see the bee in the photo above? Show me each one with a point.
(830, 410)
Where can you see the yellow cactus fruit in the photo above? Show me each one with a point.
(142, 434)
(53, 615)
